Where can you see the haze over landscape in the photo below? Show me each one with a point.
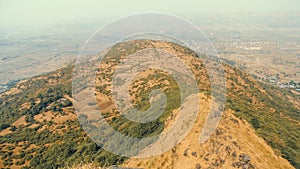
(34, 12)
(257, 43)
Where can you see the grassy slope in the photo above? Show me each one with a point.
(269, 111)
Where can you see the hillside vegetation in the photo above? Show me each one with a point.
(39, 127)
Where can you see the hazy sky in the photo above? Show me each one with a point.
(27, 12)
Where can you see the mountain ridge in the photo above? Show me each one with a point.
(38, 121)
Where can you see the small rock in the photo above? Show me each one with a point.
(233, 154)
(234, 143)
(186, 152)
(243, 163)
(194, 154)
(251, 166)
(215, 164)
(245, 158)
(207, 154)
(198, 166)
(245, 166)
(228, 150)
(234, 120)
(219, 132)
(236, 164)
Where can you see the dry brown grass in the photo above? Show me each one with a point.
(234, 133)
(85, 166)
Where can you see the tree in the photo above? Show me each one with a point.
(255, 123)
(13, 128)
(29, 118)
(4, 126)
